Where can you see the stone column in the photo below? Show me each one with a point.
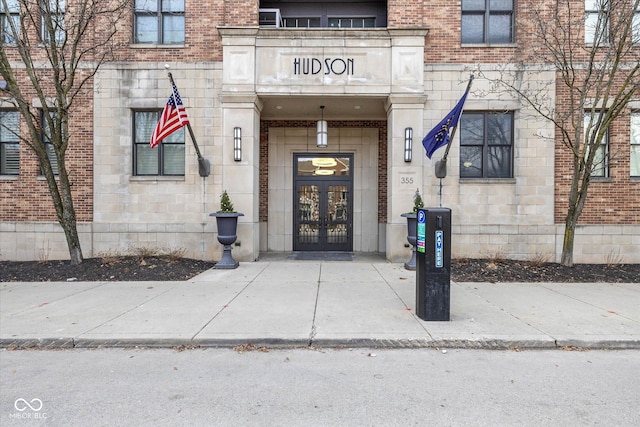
(403, 178)
(405, 108)
(241, 109)
(241, 177)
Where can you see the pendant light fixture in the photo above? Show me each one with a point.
(321, 133)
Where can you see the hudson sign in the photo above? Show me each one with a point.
(324, 66)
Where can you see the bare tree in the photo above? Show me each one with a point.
(50, 50)
(594, 48)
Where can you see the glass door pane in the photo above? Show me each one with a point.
(337, 216)
(308, 221)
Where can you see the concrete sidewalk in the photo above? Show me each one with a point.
(315, 303)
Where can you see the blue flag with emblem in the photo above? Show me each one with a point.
(439, 136)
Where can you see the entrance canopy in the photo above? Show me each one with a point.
(302, 107)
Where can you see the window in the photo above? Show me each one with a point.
(596, 22)
(270, 18)
(486, 145)
(159, 21)
(167, 159)
(46, 140)
(53, 19)
(9, 143)
(13, 7)
(352, 22)
(635, 143)
(487, 21)
(600, 166)
(302, 22)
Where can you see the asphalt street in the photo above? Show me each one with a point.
(319, 387)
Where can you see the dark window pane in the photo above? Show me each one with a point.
(145, 124)
(9, 126)
(9, 159)
(147, 5)
(51, 155)
(499, 129)
(146, 29)
(470, 162)
(473, 5)
(472, 28)
(9, 143)
(499, 29)
(499, 162)
(146, 160)
(173, 5)
(173, 29)
(500, 5)
(5, 27)
(173, 159)
(472, 129)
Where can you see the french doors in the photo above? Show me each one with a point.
(323, 203)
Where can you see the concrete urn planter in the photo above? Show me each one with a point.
(411, 238)
(227, 226)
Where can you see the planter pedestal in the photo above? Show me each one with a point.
(411, 238)
(227, 226)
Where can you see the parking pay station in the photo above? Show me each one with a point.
(433, 263)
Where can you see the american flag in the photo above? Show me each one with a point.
(173, 117)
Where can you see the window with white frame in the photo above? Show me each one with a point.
(9, 142)
(596, 22)
(486, 145)
(8, 16)
(52, 20)
(635, 144)
(167, 158)
(159, 21)
(46, 140)
(600, 166)
(487, 21)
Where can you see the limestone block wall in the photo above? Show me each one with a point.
(156, 211)
(513, 218)
(509, 216)
(283, 143)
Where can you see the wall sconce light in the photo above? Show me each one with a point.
(408, 144)
(237, 144)
(321, 133)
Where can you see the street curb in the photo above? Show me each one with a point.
(277, 343)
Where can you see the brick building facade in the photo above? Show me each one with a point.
(266, 68)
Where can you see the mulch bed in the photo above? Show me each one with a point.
(162, 268)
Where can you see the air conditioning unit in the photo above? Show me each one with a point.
(270, 18)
